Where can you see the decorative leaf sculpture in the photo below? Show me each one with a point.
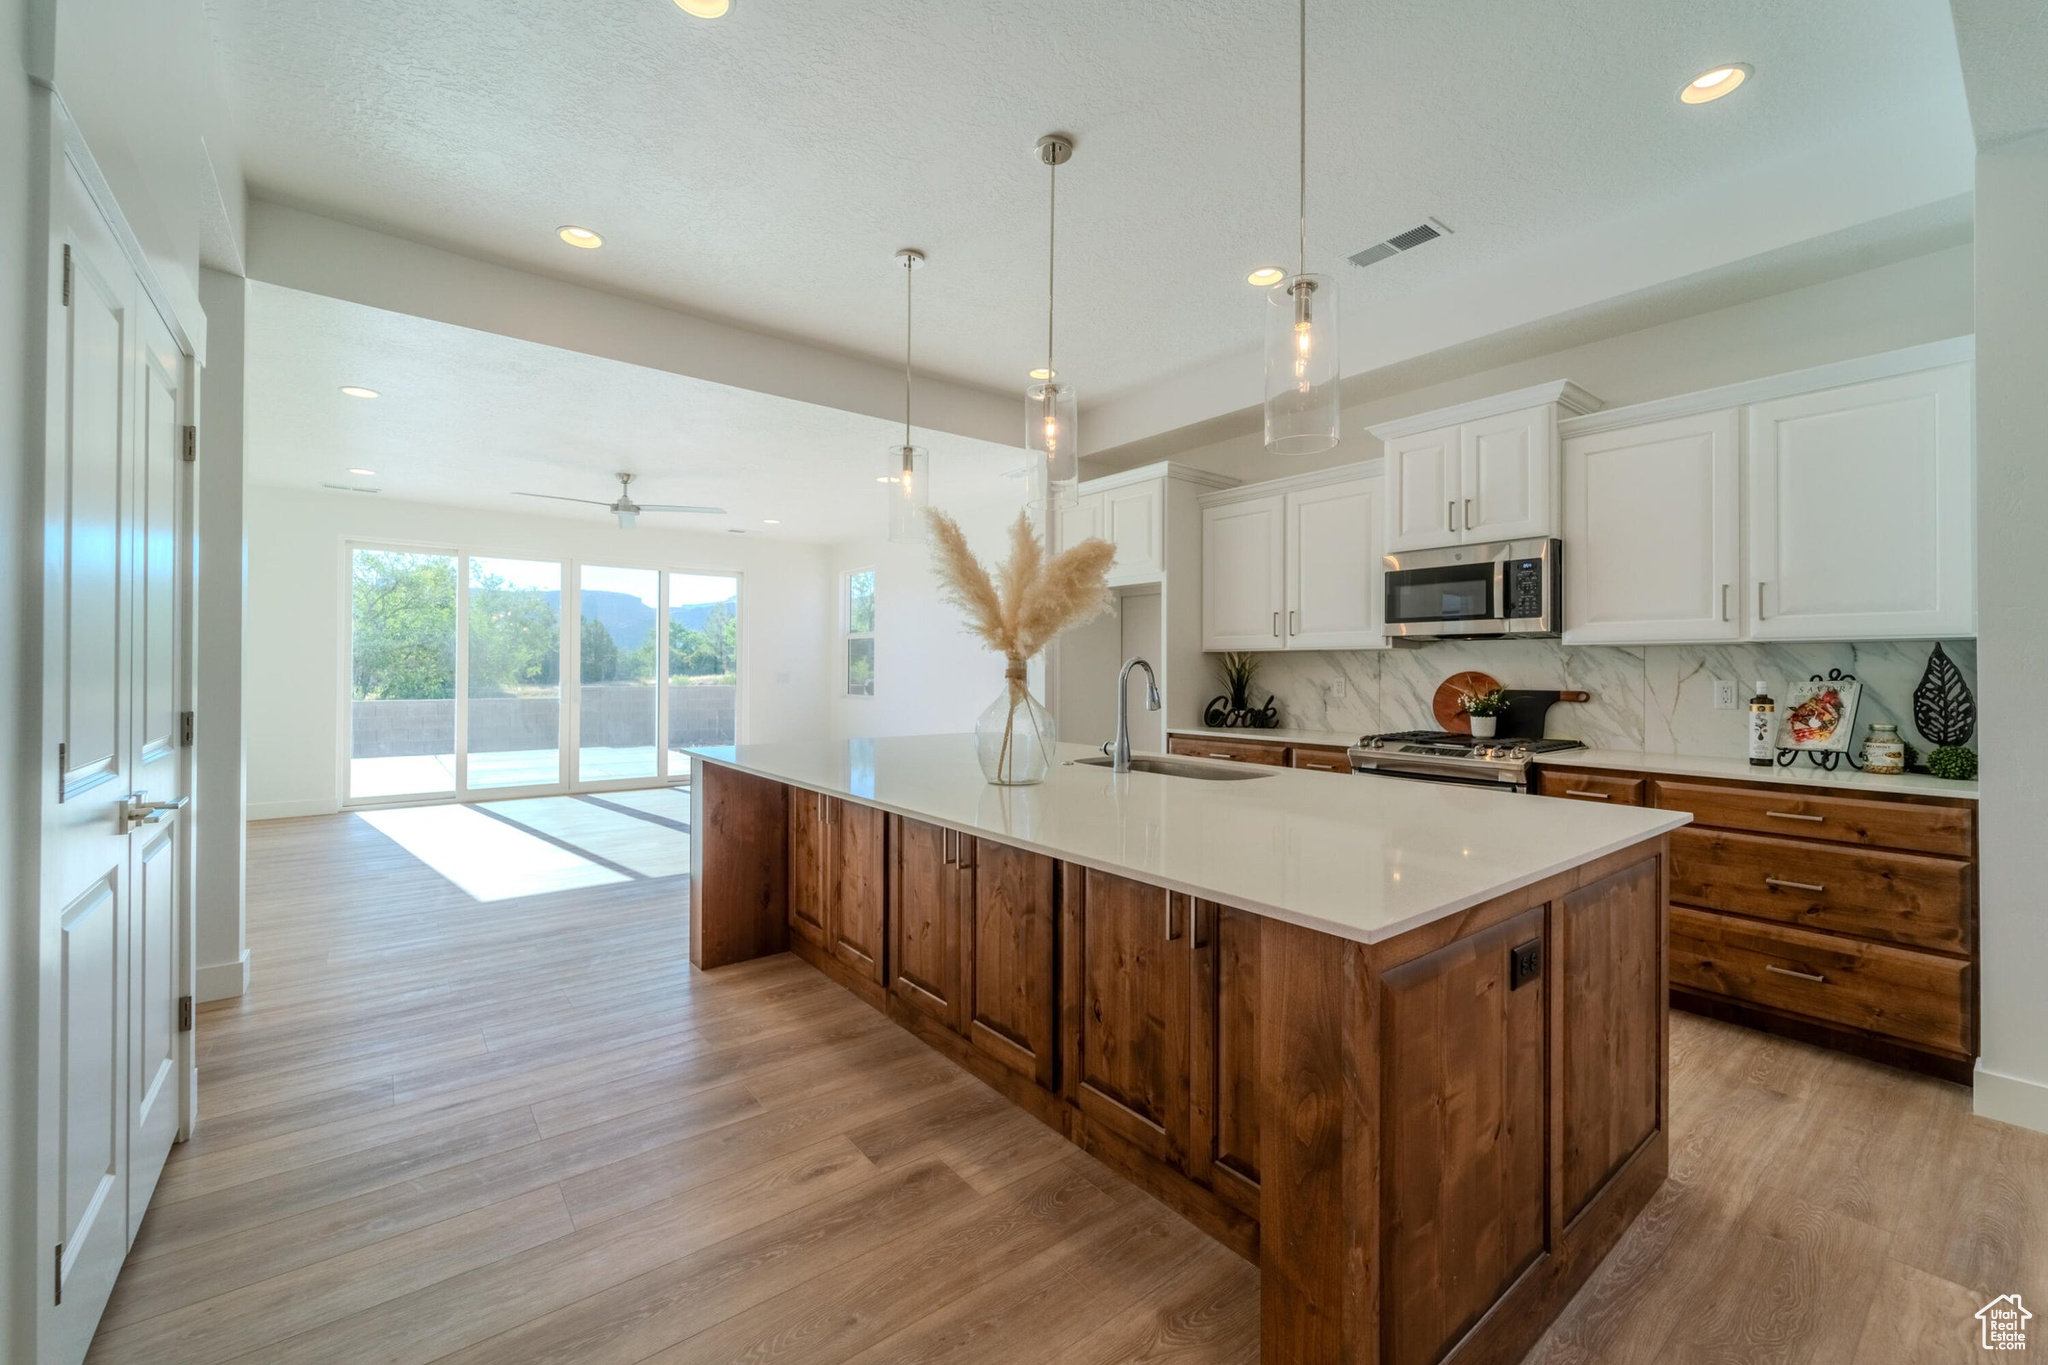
(1944, 712)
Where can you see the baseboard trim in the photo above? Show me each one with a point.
(287, 810)
(2010, 1099)
(224, 980)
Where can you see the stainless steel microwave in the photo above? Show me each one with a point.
(1476, 592)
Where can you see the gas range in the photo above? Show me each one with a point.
(1440, 756)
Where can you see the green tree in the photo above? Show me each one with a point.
(712, 652)
(515, 637)
(600, 654)
(403, 622)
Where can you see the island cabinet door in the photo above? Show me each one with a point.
(926, 913)
(1012, 908)
(808, 855)
(1463, 1166)
(857, 919)
(1133, 1028)
(1225, 1093)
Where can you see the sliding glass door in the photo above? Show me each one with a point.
(456, 686)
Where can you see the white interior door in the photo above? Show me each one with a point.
(112, 925)
(1652, 532)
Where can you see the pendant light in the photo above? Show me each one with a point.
(906, 470)
(1051, 411)
(1302, 367)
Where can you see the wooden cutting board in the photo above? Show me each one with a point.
(1445, 704)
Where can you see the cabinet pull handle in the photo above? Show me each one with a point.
(1219, 755)
(1294, 623)
(1199, 920)
(1468, 514)
(1724, 601)
(1451, 515)
(1276, 625)
(1759, 599)
(1590, 796)
(963, 852)
(1787, 971)
(1795, 815)
(1172, 925)
(1782, 884)
(946, 854)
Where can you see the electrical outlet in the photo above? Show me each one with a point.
(1337, 686)
(1725, 698)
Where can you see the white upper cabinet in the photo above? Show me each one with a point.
(1333, 567)
(1134, 520)
(1243, 567)
(1481, 472)
(1081, 522)
(1507, 476)
(1652, 532)
(1861, 512)
(1422, 489)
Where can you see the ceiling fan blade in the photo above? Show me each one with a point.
(557, 497)
(671, 507)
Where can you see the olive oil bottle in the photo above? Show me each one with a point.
(1763, 729)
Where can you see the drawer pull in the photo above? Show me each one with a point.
(1795, 815)
(1590, 796)
(1219, 755)
(1787, 971)
(1781, 884)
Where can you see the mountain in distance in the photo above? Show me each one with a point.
(628, 619)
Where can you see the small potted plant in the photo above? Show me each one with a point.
(1483, 709)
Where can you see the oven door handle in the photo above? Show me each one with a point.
(1421, 769)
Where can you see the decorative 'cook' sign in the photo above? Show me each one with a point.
(1221, 715)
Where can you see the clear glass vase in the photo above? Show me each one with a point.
(1015, 737)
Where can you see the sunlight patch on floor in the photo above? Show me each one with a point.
(487, 858)
(627, 841)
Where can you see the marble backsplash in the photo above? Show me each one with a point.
(1653, 698)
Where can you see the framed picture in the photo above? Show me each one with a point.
(1820, 715)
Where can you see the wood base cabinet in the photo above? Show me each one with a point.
(1427, 1144)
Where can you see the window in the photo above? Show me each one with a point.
(857, 614)
(401, 674)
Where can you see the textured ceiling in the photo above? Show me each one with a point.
(764, 167)
(466, 417)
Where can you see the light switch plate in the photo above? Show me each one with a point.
(1724, 695)
(1337, 688)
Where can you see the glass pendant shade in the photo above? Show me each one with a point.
(1051, 433)
(1302, 369)
(906, 474)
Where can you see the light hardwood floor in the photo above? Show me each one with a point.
(527, 1130)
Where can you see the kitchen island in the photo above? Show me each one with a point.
(1403, 1045)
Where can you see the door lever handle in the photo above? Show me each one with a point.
(136, 812)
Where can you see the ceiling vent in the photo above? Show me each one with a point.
(1427, 230)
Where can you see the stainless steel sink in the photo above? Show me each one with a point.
(1173, 767)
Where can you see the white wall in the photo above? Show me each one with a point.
(293, 659)
(219, 918)
(2012, 652)
(931, 676)
(1922, 298)
(21, 255)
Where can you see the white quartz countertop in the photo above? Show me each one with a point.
(1802, 773)
(1360, 856)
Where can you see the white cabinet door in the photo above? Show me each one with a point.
(1133, 518)
(1507, 477)
(1861, 516)
(1422, 490)
(1081, 522)
(1334, 574)
(1242, 574)
(1652, 532)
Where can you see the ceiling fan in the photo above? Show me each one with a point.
(625, 508)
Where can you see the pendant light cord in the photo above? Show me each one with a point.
(1302, 212)
(909, 269)
(1052, 218)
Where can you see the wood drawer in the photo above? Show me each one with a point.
(1319, 757)
(1897, 897)
(1606, 789)
(1237, 750)
(1919, 827)
(1916, 997)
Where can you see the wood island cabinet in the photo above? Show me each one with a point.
(1426, 1144)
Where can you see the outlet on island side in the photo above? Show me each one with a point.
(1725, 696)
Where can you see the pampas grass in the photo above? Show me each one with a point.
(1029, 599)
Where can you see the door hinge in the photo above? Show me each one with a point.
(184, 1014)
(67, 283)
(191, 444)
(59, 1276)
(60, 772)
(185, 729)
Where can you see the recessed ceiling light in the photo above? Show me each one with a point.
(1266, 276)
(770, 521)
(1043, 373)
(580, 236)
(704, 9)
(364, 473)
(884, 478)
(1713, 84)
(358, 391)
